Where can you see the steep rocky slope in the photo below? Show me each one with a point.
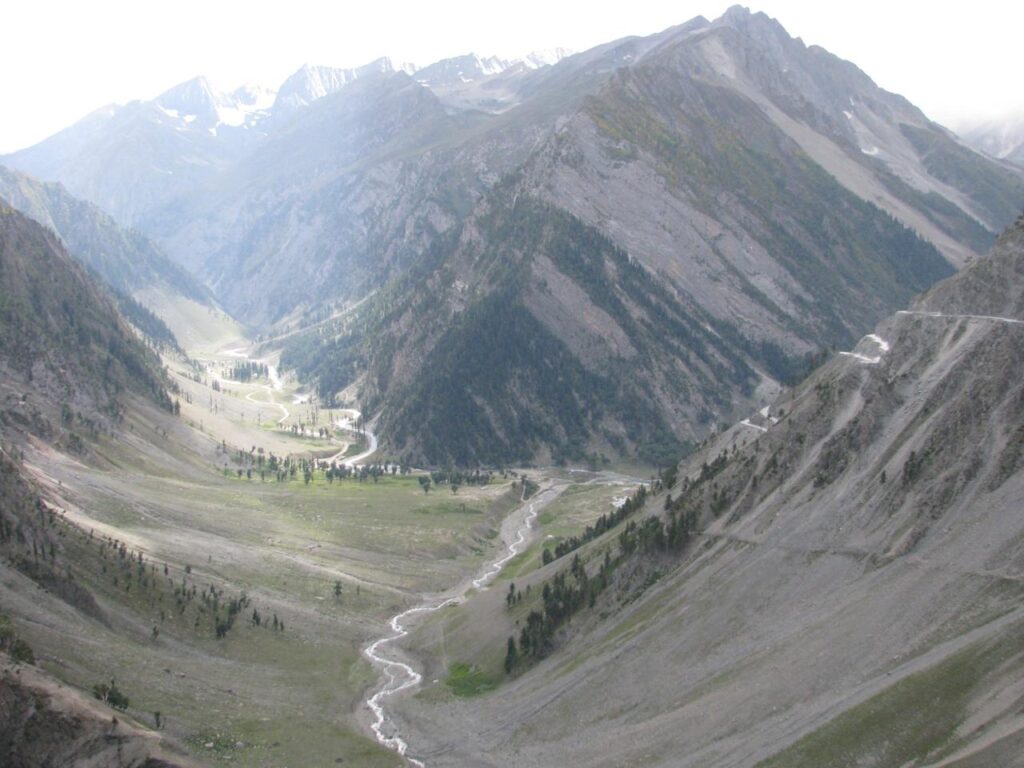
(846, 589)
(67, 357)
(744, 207)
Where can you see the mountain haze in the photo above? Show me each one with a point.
(1003, 138)
(126, 259)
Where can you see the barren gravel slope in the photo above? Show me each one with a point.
(830, 614)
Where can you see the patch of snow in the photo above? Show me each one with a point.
(545, 58)
(879, 341)
(849, 115)
(173, 113)
(871, 151)
(883, 347)
(231, 116)
(253, 98)
(765, 411)
(747, 423)
(492, 65)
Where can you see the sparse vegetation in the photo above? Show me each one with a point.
(111, 694)
(466, 680)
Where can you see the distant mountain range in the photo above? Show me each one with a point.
(125, 259)
(655, 232)
(134, 158)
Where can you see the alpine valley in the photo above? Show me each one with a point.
(658, 404)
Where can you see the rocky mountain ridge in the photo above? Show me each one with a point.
(775, 199)
(686, 130)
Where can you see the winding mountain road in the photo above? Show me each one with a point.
(990, 318)
(371, 438)
(274, 386)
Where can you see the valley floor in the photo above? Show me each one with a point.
(181, 522)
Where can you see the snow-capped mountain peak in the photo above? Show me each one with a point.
(193, 101)
(310, 83)
(197, 105)
(546, 57)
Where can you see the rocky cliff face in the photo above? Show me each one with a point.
(67, 356)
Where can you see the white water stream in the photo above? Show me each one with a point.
(401, 676)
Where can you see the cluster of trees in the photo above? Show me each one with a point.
(655, 535)
(247, 370)
(456, 477)
(154, 331)
(363, 473)
(604, 523)
(289, 468)
(264, 463)
(562, 598)
(569, 591)
(131, 567)
(222, 624)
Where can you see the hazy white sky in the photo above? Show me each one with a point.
(61, 60)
